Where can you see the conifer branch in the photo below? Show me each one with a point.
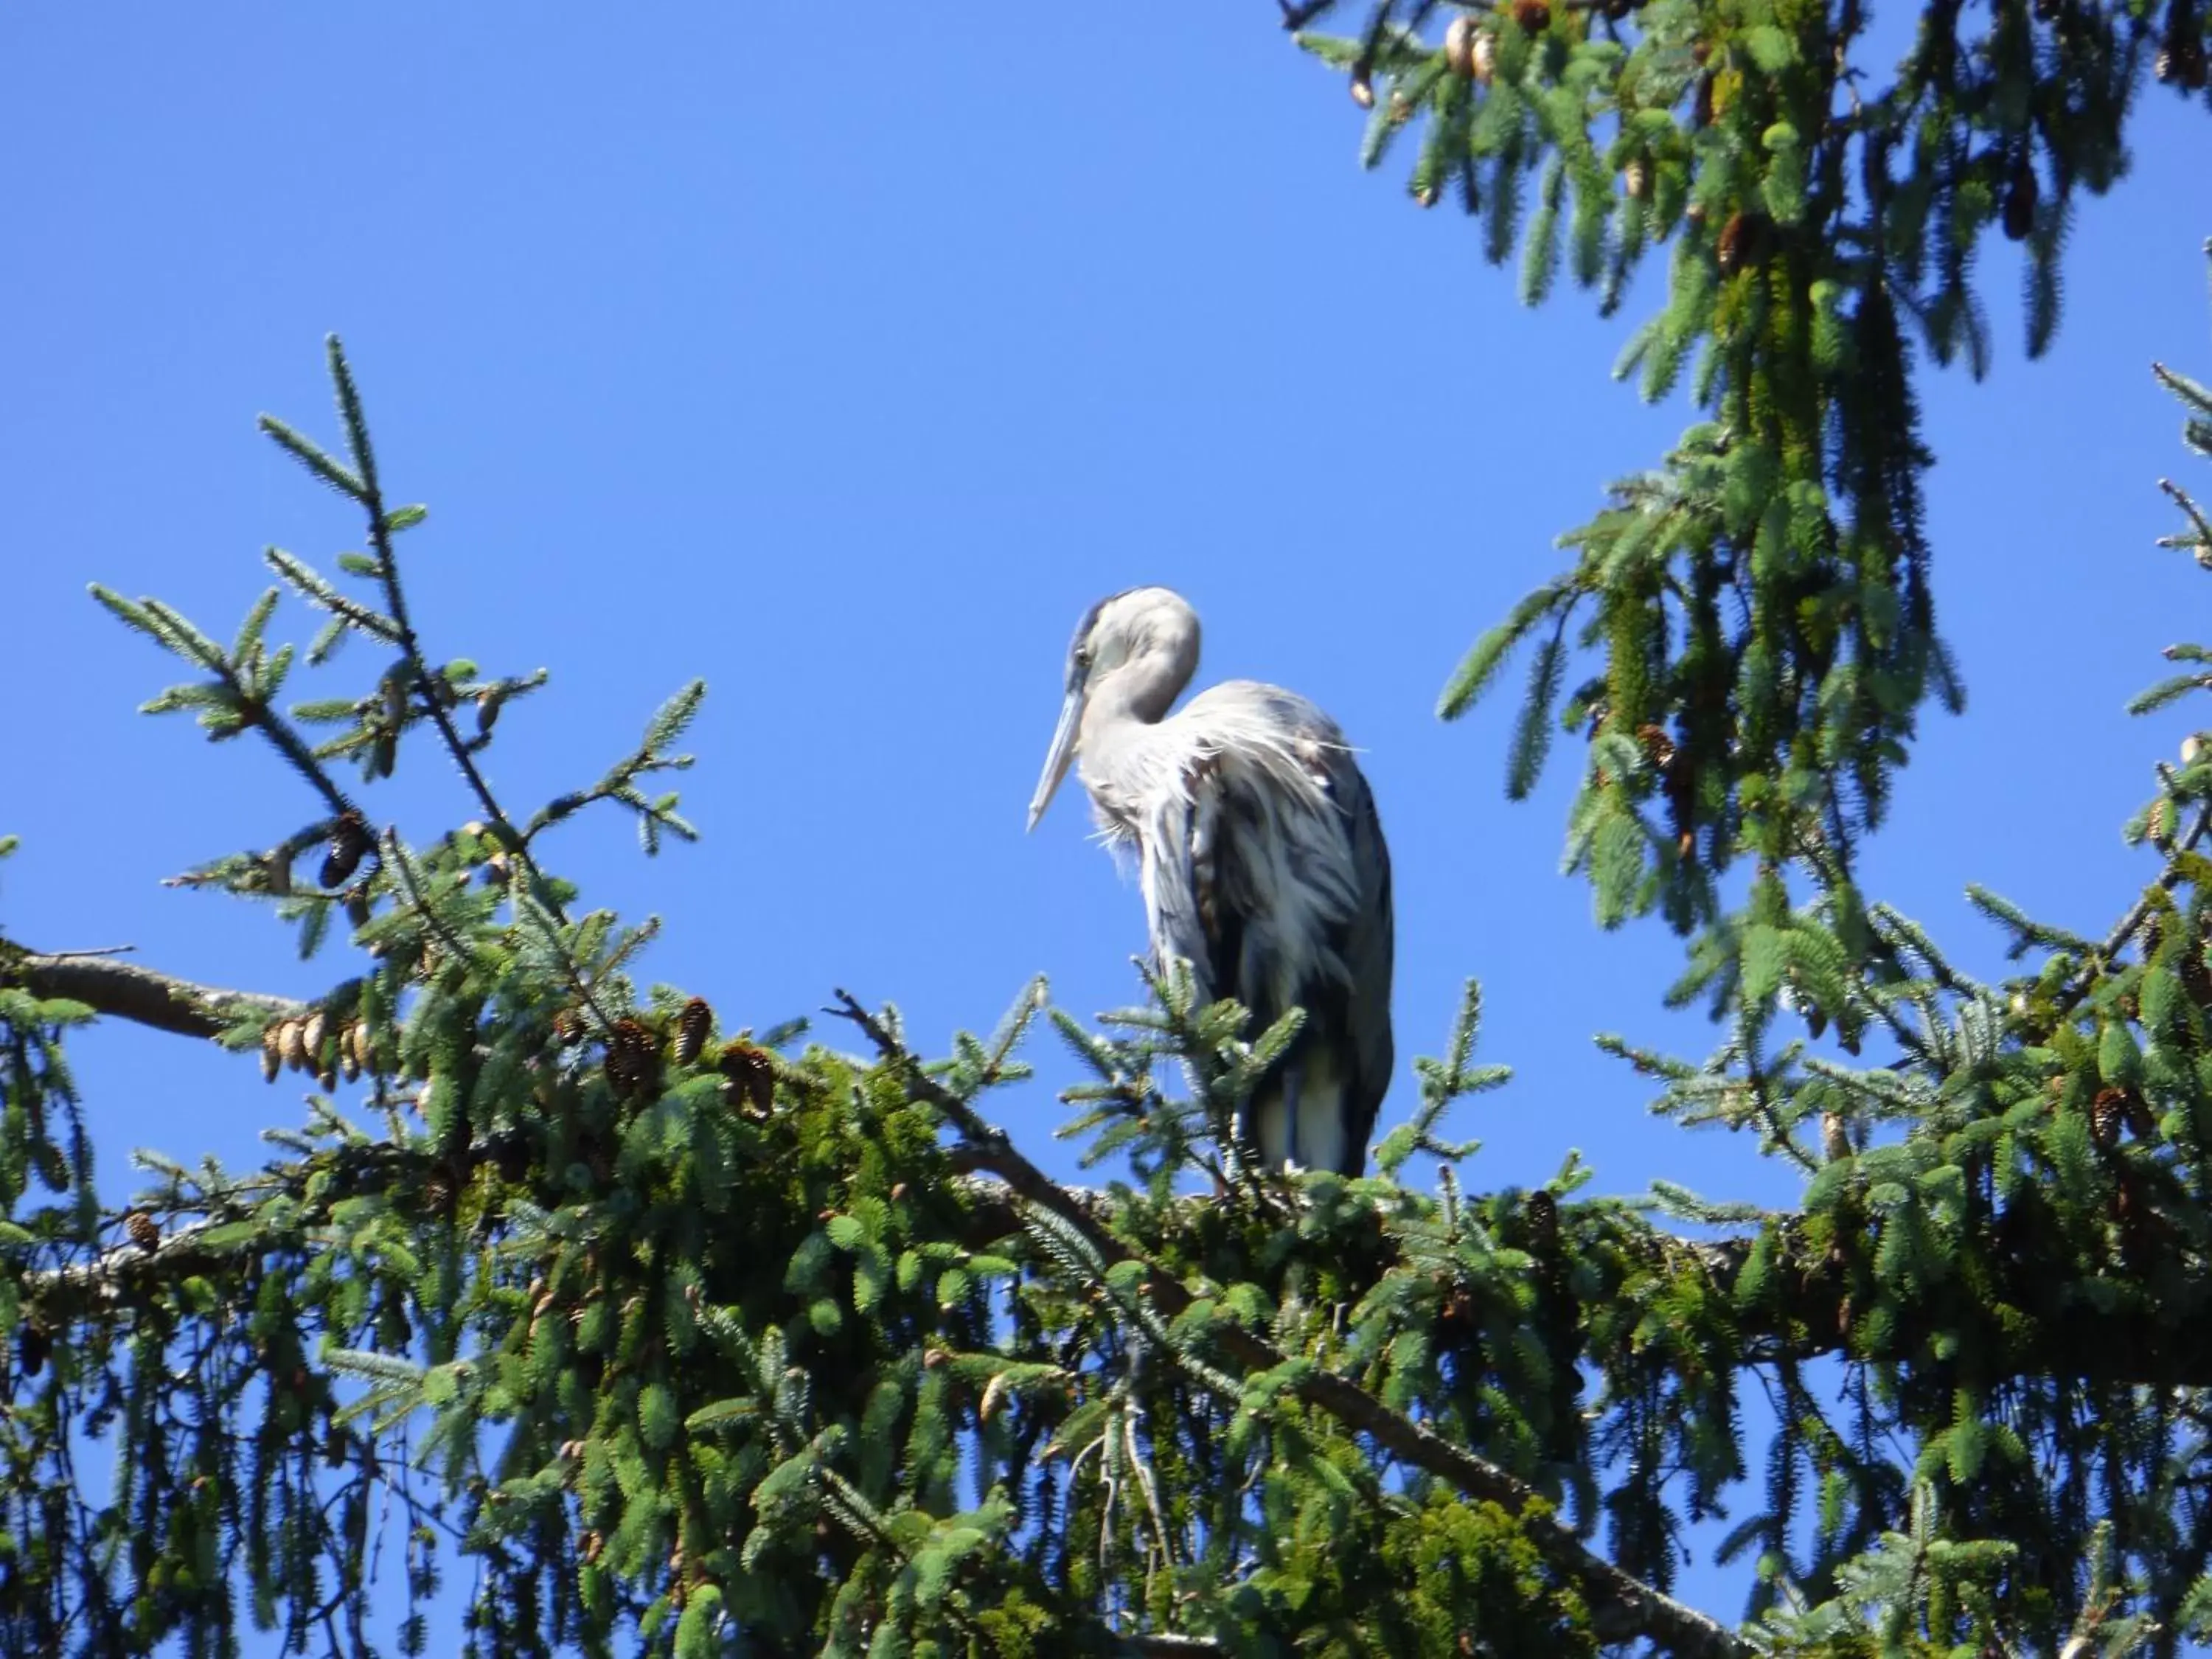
(2144, 907)
(363, 486)
(248, 704)
(1623, 1607)
(2072, 1339)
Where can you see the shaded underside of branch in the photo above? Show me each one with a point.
(1806, 1316)
(1808, 1319)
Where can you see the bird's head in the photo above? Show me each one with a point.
(1131, 656)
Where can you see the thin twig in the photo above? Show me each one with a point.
(429, 688)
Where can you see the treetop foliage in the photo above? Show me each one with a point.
(1757, 610)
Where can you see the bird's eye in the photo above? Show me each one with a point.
(1083, 658)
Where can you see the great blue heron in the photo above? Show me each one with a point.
(1262, 858)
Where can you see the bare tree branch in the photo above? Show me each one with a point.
(121, 990)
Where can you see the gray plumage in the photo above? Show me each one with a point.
(1262, 858)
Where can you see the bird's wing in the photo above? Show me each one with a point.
(1366, 945)
(1180, 876)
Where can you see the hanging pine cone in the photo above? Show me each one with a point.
(363, 1053)
(2019, 202)
(1742, 242)
(1482, 57)
(1534, 16)
(1728, 252)
(632, 1056)
(272, 1051)
(693, 1027)
(751, 1075)
(1636, 178)
(2197, 974)
(1459, 46)
(291, 1044)
(1363, 87)
(568, 1028)
(2181, 54)
(2182, 64)
(2106, 1113)
(144, 1233)
(311, 1040)
(350, 844)
(35, 1345)
(349, 1056)
(1543, 1212)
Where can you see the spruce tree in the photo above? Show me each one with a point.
(628, 1324)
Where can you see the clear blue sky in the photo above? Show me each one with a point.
(843, 358)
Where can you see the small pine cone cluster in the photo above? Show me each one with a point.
(568, 1028)
(144, 1231)
(316, 1043)
(1470, 51)
(693, 1027)
(349, 843)
(633, 1057)
(751, 1078)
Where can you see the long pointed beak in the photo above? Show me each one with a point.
(1057, 759)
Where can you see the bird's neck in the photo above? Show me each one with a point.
(1141, 690)
(1123, 712)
